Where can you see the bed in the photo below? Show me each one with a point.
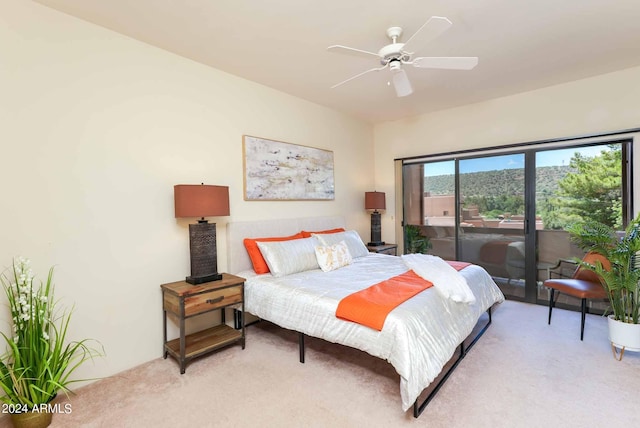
(419, 336)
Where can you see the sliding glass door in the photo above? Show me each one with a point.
(574, 185)
(492, 218)
(507, 211)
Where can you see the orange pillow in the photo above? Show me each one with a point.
(306, 234)
(259, 263)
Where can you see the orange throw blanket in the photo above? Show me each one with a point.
(371, 306)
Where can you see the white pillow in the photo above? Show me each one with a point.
(287, 257)
(350, 237)
(332, 257)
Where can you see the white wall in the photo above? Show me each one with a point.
(600, 104)
(96, 128)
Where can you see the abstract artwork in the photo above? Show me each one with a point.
(277, 171)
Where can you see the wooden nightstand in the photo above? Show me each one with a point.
(183, 300)
(391, 249)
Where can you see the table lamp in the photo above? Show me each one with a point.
(375, 201)
(200, 200)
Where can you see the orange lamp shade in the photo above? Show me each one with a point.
(374, 201)
(199, 200)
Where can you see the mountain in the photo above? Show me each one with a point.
(495, 183)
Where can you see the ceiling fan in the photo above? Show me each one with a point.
(397, 54)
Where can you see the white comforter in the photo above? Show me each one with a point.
(418, 337)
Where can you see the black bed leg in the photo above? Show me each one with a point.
(301, 346)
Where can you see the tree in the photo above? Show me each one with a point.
(593, 191)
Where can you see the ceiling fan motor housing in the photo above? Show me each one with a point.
(392, 52)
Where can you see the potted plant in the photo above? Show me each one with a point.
(622, 280)
(416, 242)
(38, 361)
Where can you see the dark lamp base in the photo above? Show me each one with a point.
(203, 251)
(376, 230)
(201, 279)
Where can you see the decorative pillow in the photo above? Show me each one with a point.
(331, 257)
(259, 263)
(306, 234)
(350, 237)
(287, 257)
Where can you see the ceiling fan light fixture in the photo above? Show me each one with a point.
(401, 84)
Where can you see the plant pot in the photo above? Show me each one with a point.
(623, 336)
(31, 419)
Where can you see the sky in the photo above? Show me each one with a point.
(493, 163)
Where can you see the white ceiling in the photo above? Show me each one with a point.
(521, 44)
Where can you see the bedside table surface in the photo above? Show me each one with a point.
(183, 288)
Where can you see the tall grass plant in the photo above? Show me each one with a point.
(38, 361)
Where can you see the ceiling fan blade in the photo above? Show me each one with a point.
(446, 62)
(358, 75)
(401, 83)
(351, 51)
(431, 29)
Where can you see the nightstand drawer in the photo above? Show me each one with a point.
(214, 299)
(390, 249)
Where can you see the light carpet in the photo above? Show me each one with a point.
(522, 373)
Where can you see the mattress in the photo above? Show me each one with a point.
(418, 337)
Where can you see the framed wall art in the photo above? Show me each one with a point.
(277, 171)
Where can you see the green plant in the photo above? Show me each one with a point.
(37, 362)
(416, 242)
(622, 281)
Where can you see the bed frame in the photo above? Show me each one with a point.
(238, 260)
(418, 407)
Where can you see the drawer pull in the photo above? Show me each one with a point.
(216, 300)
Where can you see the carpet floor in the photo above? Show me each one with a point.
(521, 373)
